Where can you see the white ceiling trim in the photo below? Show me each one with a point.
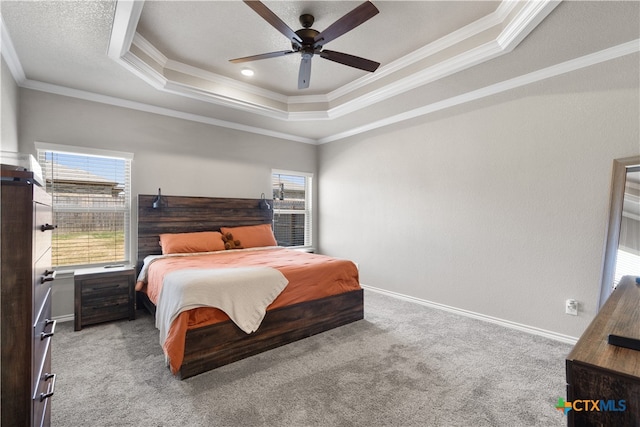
(139, 106)
(166, 63)
(193, 92)
(143, 70)
(525, 79)
(125, 21)
(517, 29)
(249, 98)
(9, 53)
(526, 20)
(451, 39)
(443, 69)
(157, 56)
(147, 72)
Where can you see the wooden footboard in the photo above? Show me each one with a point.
(216, 345)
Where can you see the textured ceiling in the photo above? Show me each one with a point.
(171, 57)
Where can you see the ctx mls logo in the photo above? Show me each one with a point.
(600, 405)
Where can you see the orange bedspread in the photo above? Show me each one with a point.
(310, 276)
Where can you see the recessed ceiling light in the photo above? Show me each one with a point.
(247, 72)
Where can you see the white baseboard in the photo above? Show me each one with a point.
(65, 318)
(506, 323)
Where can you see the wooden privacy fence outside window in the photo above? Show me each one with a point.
(91, 207)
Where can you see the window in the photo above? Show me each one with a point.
(292, 218)
(91, 196)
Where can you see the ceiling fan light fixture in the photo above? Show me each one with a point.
(247, 72)
(309, 42)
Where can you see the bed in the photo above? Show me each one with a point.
(207, 337)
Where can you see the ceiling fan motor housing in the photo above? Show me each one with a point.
(307, 35)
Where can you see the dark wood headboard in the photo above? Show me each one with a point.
(178, 214)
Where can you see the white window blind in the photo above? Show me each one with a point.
(91, 207)
(627, 264)
(292, 213)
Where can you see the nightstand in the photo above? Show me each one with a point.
(104, 294)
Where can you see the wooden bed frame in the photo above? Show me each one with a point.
(215, 345)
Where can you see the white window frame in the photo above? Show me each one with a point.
(89, 151)
(308, 210)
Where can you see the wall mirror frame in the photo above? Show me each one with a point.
(618, 180)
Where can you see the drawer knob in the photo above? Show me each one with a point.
(48, 227)
(48, 322)
(51, 389)
(48, 276)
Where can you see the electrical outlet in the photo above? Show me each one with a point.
(571, 307)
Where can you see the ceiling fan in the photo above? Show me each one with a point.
(309, 42)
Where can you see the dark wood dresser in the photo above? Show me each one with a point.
(25, 307)
(597, 370)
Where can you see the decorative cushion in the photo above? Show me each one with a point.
(202, 241)
(230, 242)
(252, 236)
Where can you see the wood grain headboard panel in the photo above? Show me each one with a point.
(179, 214)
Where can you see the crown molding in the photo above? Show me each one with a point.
(125, 22)
(165, 63)
(140, 106)
(149, 49)
(10, 55)
(518, 19)
(608, 54)
(524, 22)
(428, 75)
(483, 24)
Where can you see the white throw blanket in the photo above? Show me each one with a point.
(242, 293)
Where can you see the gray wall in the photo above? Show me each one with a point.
(8, 110)
(497, 207)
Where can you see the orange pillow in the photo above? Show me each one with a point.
(202, 241)
(252, 236)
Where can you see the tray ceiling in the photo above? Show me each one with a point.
(172, 57)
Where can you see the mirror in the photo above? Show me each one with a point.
(622, 248)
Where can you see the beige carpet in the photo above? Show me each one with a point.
(403, 365)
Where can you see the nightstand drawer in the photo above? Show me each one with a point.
(103, 295)
(104, 288)
(105, 311)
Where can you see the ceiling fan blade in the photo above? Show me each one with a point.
(350, 60)
(348, 22)
(273, 19)
(261, 56)
(305, 72)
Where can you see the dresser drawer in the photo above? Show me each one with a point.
(42, 239)
(43, 276)
(43, 391)
(43, 330)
